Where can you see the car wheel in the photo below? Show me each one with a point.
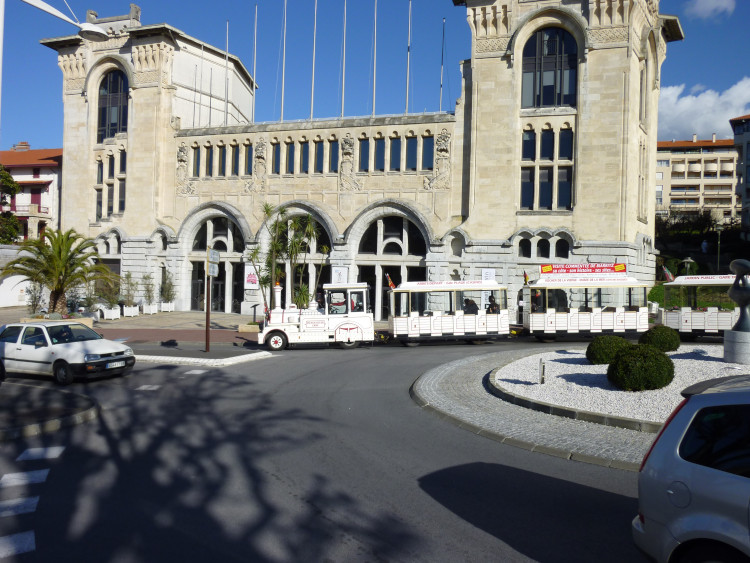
(276, 342)
(409, 343)
(63, 373)
(349, 345)
(710, 553)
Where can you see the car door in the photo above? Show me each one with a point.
(8, 341)
(32, 352)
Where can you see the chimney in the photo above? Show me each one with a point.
(695, 137)
(713, 138)
(22, 146)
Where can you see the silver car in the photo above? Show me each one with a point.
(62, 349)
(694, 483)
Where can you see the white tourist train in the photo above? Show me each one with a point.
(584, 298)
(342, 316)
(699, 305)
(466, 310)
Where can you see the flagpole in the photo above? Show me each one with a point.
(255, 59)
(195, 90)
(283, 66)
(408, 62)
(442, 60)
(315, 36)
(343, 71)
(210, 95)
(200, 102)
(226, 79)
(374, 57)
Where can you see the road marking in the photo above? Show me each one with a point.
(25, 478)
(17, 544)
(148, 388)
(18, 506)
(41, 453)
(196, 371)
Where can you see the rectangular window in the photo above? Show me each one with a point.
(318, 157)
(99, 172)
(235, 160)
(411, 153)
(222, 161)
(527, 188)
(290, 158)
(380, 155)
(566, 144)
(123, 162)
(35, 173)
(304, 157)
(396, 154)
(333, 157)
(662, 163)
(364, 155)
(428, 152)
(565, 187)
(110, 199)
(122, 196)
(528, 148)
(275, 158)
(547, 148)
(196, 162)
(98, 205)
(545, 188)
(110, 166)
(248, 159)
(209, 161)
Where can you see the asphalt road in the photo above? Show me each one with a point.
(312, 455)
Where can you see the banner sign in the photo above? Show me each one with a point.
(251, 277)
(566, 269)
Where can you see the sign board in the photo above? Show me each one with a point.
(339, 274)
(213, 256)
(251, 277)
(213, 270)
(566, 269)
(488, 274)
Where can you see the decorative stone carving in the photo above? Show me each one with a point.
(609, 35)
(347, 180)
(258, 182)
(184, 186)
(441, 175)
(494, 45)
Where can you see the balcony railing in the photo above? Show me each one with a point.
(32, 209)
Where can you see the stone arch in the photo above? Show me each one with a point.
(384, 208)
(103, 66)
(315, 210)
(206, 211)
(113, 239)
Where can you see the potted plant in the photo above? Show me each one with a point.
(110, 293)
(167, 293)
(149, 307)
(129, 289)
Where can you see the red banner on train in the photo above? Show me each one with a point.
(547, 269)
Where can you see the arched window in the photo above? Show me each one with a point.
(542, 248)
(524, 248)
(113, 105)
(550, 62)
(562, 248)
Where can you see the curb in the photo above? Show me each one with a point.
(86, 414)
(203, 362)
(577, 414)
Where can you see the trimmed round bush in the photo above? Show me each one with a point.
(603, 348)
(640, 368)
(662, 338)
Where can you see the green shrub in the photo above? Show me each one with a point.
(603, 348)
(640, 368)
(662, 338)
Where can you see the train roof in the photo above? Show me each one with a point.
(451, 285)
(592, 281)
(726, 279)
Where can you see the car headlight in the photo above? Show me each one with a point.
(91, 357)
(128, 352)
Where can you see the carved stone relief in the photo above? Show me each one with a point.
(258, 182)
(184, 186)
(347, 180)
(441, 175)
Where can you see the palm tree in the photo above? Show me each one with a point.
(60, 262)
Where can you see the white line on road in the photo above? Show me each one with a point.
(17, 544)
(18, 506)
(41, 453)
(25, 478)
(148, 388)
(196, 371)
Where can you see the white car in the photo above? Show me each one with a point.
(62, 349)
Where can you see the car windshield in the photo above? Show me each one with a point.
(75, 332)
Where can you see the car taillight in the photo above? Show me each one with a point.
(663, 428)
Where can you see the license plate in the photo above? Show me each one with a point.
(112, 365)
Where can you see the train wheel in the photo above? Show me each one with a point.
(276, 342)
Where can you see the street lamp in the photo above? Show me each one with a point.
(719, 228)
(688, 262)
(86, 30)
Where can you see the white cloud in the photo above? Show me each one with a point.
(706, 9)
(704, 113)
(697, 89)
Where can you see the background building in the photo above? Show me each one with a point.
(38, 173)
(548, 157)
(741, 128)
(698, 175)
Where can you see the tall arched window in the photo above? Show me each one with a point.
(550, 61)
(113, 105)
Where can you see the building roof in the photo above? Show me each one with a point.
(741, 118)
(694, 144)
(48, 158)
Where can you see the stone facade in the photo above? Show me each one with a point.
(508, 181)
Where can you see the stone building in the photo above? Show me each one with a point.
(548, 156)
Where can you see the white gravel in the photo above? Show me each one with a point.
(571, 381)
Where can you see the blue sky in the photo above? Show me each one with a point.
(705, 81)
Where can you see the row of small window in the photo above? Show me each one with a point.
(106, 208)
(111, 166)
(543, 247)
(324, 159)
(546, 148)
(553, 189)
